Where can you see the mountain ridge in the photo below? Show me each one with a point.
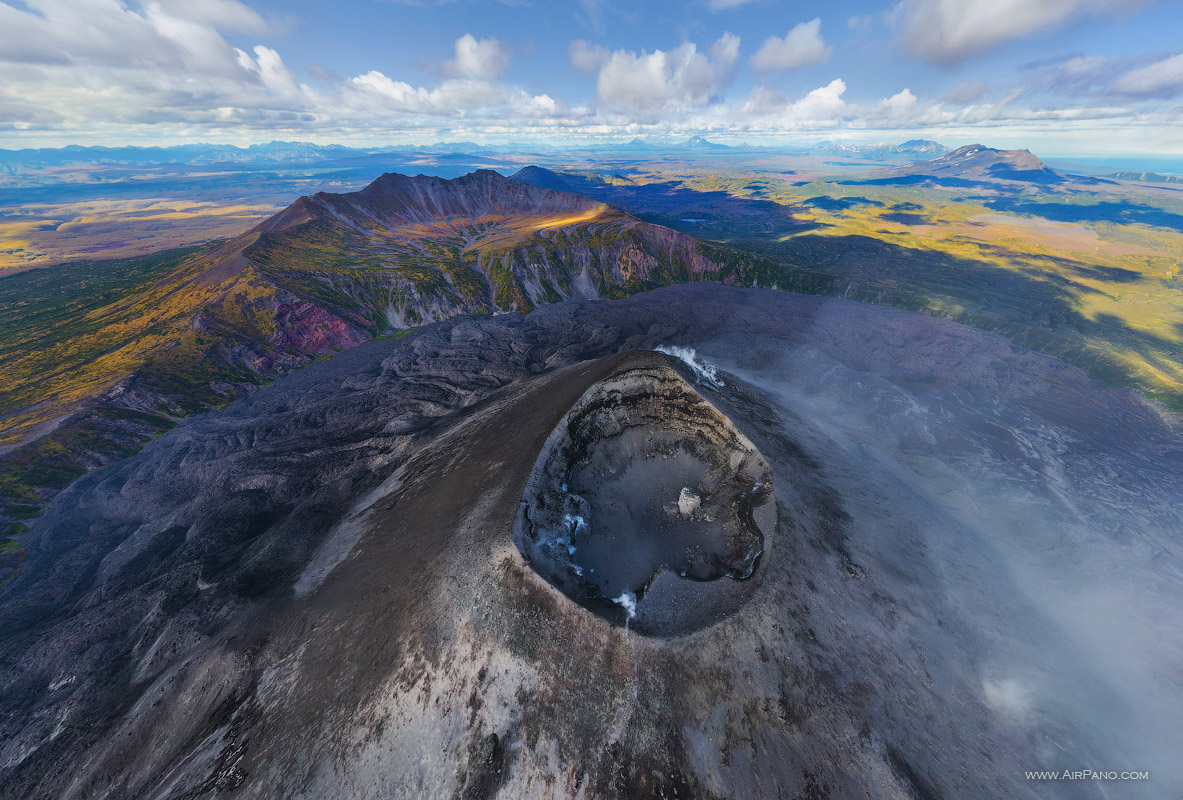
(884, 151)
(328, 272)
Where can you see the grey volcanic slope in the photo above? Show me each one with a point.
(315, 592)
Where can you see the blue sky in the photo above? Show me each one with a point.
(1059, 76)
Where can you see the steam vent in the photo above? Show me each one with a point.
(647, 506)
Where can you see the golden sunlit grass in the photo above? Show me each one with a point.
(87, 356)
(42, 234)
(106, 343)
(1122, 282)
(519, 230)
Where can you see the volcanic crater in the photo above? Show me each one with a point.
(647, 505)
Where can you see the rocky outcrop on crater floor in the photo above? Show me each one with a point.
(647, 505)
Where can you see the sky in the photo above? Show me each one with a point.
(1058, 76)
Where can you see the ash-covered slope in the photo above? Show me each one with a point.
(974, 570)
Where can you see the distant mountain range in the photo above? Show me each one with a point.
(269, 153)
(472, 154)
(913, 148)
(1146, 177)
(307, 153)
(260, 155)
(328, 272)
(974, 162)
(297, 153)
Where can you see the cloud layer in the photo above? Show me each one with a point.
(104, 69)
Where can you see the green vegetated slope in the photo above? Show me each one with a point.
(99, 357)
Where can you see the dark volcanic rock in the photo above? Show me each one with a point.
(647, 505)
(974, 570)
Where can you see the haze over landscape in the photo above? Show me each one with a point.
(510, 399)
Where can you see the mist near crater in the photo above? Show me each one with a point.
(1053, 530)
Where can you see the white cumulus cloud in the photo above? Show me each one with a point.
(481, 59)
(272, 72)
(1162, 78)
(650, 82)
(821, 107)
(800, 46)
(899, 106)
(114, 63)
(113, 70)
(587, 58)
(822, 104)
(450, 98)
(119, 65)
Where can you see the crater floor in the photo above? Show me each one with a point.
(642, 496)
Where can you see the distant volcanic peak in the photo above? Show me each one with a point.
(977, 162)
(980, 155)
(535, 171)
(542, 177)
(702, 142)
(923, 146)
